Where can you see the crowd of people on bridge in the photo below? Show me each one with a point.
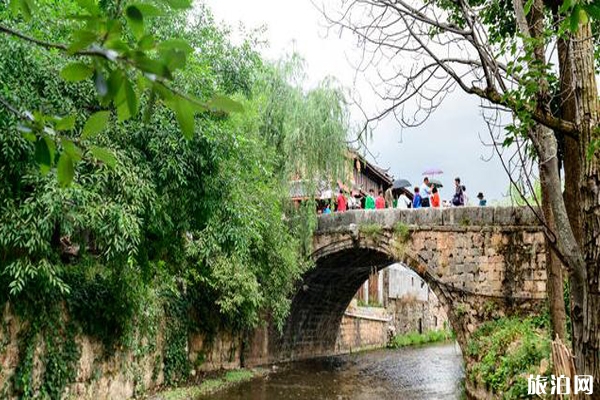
(427, 195)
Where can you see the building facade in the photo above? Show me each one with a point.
(407, 300)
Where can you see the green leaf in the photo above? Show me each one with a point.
(30, 136)
(148, 10)
(225, 104)
(42, 155)
(51, 147)
(527, 7)
(508, 141)
(184, 113)
(103, 154)
(574, 19)
(179, 4)
(583, 16)
(565, 6)
(152, 66)
(135, 20)
(65, 123)
(65, 170)
(71, 149)
(174, 59)
(89, 5)
(126, 101)
(131, 97)
(26, 7)
(95, 124)
(177, 44)
(113, 30)
(146, 42)
(593, 10)
(80, 40)
(115, 81)
(76, 72)
(117, 45)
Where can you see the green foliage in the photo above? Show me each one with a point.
(176, 362)
(506, 351)
(461, 309)
(416, 338)
(370, 230)
(402, 232)
(131, 221)
(59, 352)
(122, 56)
(210, 385)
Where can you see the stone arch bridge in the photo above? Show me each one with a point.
(481, 262)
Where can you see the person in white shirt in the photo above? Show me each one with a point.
(425, 192)
(403, 202)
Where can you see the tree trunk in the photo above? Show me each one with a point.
(565, 243)
(572, 163)
(547, 149)
(586, 343)
(554, 267)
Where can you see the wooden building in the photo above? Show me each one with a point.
(361, 177)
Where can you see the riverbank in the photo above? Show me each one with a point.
(209, 384)
(416, 338)
(501, 354)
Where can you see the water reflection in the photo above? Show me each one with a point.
(431, 372)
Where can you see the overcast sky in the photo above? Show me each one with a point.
(449, 140)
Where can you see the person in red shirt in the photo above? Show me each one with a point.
(435, 197)
(380, 201)
(342, 205)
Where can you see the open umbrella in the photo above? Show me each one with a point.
(436, 183)
(401, 183)
(433, 171)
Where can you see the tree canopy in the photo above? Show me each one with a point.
(154, 162)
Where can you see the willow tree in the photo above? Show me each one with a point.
(308, 128)
(499, 51)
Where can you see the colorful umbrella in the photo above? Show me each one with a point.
(433, 171)
(401, 183)
(436, 183)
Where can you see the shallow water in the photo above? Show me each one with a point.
(429, 372)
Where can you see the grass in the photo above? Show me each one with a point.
(370, 230)
(501, 355)
(402, 232)
(415, 338)
(209, 386)
(371, 303)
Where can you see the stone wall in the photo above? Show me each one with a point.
(120, 374)
(360, 331)
(410, 315)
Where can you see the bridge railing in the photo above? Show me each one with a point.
(453, 216)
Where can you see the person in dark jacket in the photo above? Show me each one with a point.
(459, 198)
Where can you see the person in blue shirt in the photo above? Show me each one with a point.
(482, 201)
(327, 210)
(416, 198)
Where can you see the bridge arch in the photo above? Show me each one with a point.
(481, 264)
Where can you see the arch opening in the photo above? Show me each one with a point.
(326, 291)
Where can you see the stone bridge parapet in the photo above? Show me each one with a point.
(434, 218)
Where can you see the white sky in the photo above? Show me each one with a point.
(450, 139)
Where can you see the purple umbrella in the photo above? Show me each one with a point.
(433, 171)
